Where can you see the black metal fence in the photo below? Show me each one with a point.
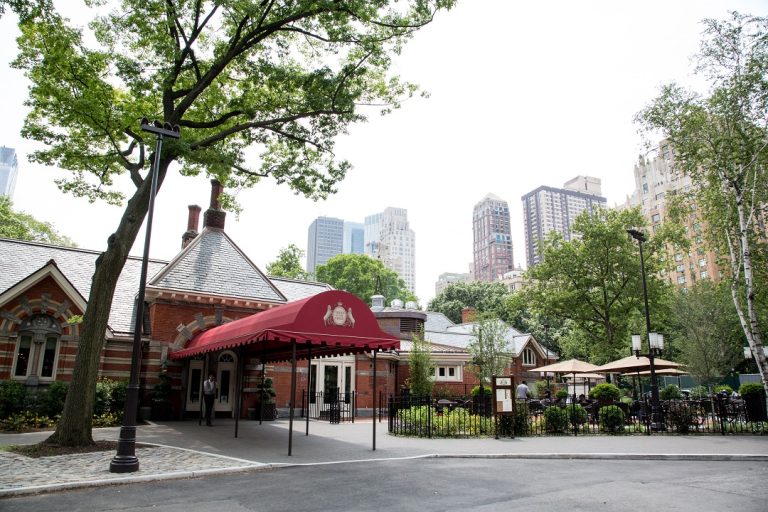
(333, 407)
(473, 417)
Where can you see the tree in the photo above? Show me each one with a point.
(721, 141)
(594, 279)
(708, 330)
(22, 226)
(489, 350)
(361, 275)
(282, 78)
(421, 368)
(288, 264)
(483, 296)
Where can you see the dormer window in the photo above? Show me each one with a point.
(37, 348)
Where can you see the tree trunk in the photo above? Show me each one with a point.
(75, 426)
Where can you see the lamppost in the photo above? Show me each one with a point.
(655, 340)
(125, 460)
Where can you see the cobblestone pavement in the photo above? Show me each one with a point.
(18, 471)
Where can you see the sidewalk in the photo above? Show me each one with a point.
(184, 449)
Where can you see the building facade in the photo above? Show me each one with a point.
(548, 209)
(9, 170)
(326, 240)
(492, 239)
(389, 237)
(655, 180)
(354, 238)
(448, 278)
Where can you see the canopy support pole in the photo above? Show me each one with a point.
(309, 380)
(202, 380)
(293, 396)
(263, 375)
(374, 400)
(239, 391)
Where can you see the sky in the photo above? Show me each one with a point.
(522, 94)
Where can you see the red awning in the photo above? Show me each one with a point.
(333, 323)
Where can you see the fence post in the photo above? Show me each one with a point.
(429, 418)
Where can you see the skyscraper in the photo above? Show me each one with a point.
(388, 236)
(9, 169)
(326, 237)
(492, 239)
(354, 238)
(547, 209)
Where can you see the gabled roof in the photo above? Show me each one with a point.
(436, 321)
(51, 270)
(295, 289)
(20, 259)
(213, 264)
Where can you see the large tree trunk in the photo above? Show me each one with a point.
(75, 426)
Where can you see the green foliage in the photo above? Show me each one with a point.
(358, 273)
(723, 387)
(681, 417)
(594, 279)
(708, 330)
(475, 391)
(561, 394)
(24, 421)
(556, 420)
(485, 298)
(489, 350)
(110, 396)
(51, 400)
(22, 226)
(671, 392)
(751, 388)
(699, 392)
(540, 388)
(611, 419)
(266, 393)
(577, 414)
(421, 368)
(424, 421)
(605, 392)
(12, 397)
(107, 419)
(288, 264)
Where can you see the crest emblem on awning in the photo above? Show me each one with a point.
(339, 316)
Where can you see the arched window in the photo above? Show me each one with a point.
(529, 357)
(37, 350)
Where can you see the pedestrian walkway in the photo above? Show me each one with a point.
(184, 449)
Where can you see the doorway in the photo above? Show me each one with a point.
(225, 377)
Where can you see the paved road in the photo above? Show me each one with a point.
(439, 484)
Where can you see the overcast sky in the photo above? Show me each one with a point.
(523, 94)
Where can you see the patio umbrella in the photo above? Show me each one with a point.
(664, 371)
(635, 364)
(571, 366)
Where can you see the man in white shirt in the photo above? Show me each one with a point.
(522, 391)
(209, 394)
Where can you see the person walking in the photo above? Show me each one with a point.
(209, 394)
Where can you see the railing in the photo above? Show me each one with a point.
(472, 417)
(333, 407)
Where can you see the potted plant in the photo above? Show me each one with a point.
(265, 398)
(162, 410)
(754, 401)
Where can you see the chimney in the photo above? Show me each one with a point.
(192, 222)
(468, 314)
(214, 216)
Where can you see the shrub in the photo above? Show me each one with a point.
(108, 419)
(476, 390)
(699, 392)
(578, 414)
(611, 418)
(561, 394)
(540, 388)
(13, 395)
(681, 417)
(555, 419)
(751, 388)
(605, 392)
(441, 392)
(671, 392)
(51, 401)
(26, 420)
(723, 387)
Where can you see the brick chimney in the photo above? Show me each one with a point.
(468, 314)
(214, 216)
(192, 222)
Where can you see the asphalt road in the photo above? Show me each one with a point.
(439, 484)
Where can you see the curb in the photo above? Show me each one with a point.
(257, 466)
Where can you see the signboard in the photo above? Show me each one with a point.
(503, 390)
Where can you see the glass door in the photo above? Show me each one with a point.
(225, 378)
(194, 384)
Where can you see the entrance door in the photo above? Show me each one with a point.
(332, 383)
(194, 384)
(225, 377)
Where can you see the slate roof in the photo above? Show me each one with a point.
(294, 289)
(436, 321)
(436, 348)
(19, 259)
(213, 264)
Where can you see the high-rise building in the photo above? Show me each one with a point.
(547, 209)
(354, 238)
(446, 279)
(388, 236)
(326, 237)
(9, 169)
(655, 179)
(492, 239)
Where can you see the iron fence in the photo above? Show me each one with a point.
(472, 417)
(334, 407)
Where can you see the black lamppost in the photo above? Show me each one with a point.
(655, 340)
(125, 461)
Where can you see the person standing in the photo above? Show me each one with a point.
(522, 391)
(209, 394)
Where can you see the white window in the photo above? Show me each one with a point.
(37, 349)
(681, 280)
(529, 357)
(448, 373)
